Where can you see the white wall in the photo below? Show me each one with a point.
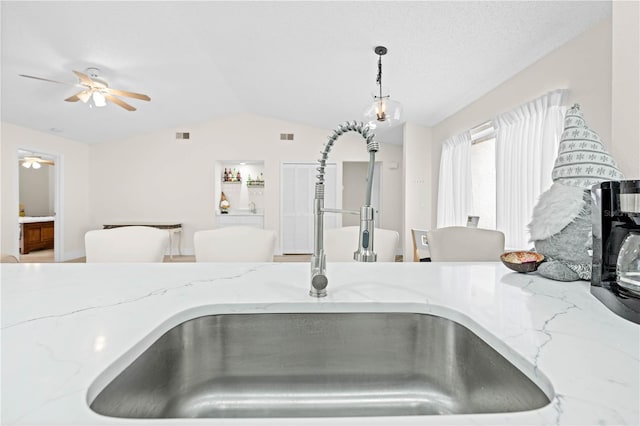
(73, 166)
(419, 187)
(153, 177)
(625, 96)
(35, 189)
(354, 179)
(582, 65)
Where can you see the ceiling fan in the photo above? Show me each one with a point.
(34, 161)
(95, 90)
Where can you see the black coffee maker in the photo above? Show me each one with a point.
(615, 214)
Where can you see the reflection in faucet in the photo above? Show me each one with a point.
(365, 252)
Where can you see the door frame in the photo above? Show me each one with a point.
(376, 190)
(58, 198)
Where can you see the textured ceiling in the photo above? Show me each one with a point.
(306, 62)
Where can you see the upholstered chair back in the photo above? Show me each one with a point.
(234, 244)
(126, 244)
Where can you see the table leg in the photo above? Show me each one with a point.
(170, 245)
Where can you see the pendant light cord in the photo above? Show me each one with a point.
(379, 79)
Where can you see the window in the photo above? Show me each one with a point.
(498, 170)
(483, 174)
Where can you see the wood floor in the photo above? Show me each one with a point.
(280, 258)
(37, 256)
(46, 256)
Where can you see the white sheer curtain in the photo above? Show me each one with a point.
(527, 141)
(454, 187)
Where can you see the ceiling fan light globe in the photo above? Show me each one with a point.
(36, 165)
(26, 164)
(98, 99)
(84, 96)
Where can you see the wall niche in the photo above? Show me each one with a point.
(242, 182)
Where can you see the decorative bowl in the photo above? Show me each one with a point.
(522, 261)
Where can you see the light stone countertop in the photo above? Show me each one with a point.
(241, 212)
(34, 219)
(68, 329)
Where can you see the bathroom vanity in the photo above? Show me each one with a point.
(36, 233)
(69, 330)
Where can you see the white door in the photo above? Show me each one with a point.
(297, 193)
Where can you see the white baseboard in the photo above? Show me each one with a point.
(71, 255)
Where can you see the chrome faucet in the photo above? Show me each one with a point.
(365, 252)
(252, 207)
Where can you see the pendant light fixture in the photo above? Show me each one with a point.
(384, 111)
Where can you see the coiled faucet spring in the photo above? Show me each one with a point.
(365, 251)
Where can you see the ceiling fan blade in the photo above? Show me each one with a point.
(81, 96)
(119, 102)
(46, 79)
(85, 79)
(125, 93)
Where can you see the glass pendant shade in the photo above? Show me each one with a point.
(383, 112)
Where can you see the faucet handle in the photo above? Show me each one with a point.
(319, 280)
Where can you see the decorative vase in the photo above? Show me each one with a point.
(224, 204)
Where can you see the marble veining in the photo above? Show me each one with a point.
(158, 292)
(544, 330)
(67, 329)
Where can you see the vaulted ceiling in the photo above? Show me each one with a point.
(306, 62)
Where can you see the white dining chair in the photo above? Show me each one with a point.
(421, 251)
(126, 244)
(340, 243)
(463, 244)
(234, 244)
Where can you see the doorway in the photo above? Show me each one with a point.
(40, 227)
(354, 182)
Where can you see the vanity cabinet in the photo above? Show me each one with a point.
(36, 236)
(240, 218)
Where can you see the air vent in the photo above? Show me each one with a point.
(182, 135)
(286, 136)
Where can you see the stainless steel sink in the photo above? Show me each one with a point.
(318, 365)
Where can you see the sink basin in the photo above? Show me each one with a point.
(318, 365)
